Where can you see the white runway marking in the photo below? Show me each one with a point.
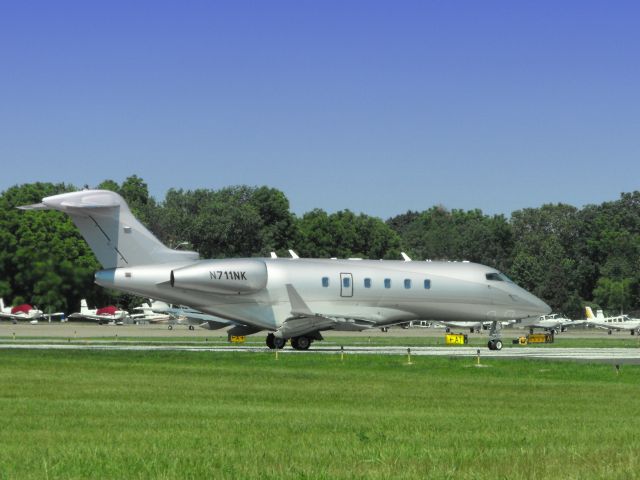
(596, 354)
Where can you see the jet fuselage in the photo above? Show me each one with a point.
(382, 292)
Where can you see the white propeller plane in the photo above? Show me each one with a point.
(617, 323)
(25, 312)
(105, 315)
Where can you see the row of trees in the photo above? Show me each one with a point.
(565, 255)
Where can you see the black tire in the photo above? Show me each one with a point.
(490, 345)
(531, 331)
(497, 344)
(609, 332)
(279, 343)
(170, 327)
(271, 341)
(301, 343)
(447, 330)
(191, 327)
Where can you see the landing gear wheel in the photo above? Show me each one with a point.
(271, 341)
(495, 344)
(170, 327)
(279, 343)
(301, 343)
(191, 327)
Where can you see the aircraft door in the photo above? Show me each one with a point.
(346, 285)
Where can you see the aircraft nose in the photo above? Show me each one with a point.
(535, 306)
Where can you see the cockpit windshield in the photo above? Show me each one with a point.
(498, 277)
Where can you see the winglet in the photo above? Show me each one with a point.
(298, 306)
(293, 254)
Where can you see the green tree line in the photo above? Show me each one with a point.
(565, 255)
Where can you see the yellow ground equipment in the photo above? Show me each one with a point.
(237, 338)
(540, 338)
(456, 339)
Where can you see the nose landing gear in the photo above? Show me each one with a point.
(495, 336)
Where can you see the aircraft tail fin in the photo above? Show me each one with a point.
(116, 237)
(590, 315)
(84, 306)
(1, 304)
(599, 314)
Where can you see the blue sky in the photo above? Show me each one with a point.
(375, 106)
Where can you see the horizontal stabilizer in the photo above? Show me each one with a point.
(35, 206)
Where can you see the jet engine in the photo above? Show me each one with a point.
(234, 276)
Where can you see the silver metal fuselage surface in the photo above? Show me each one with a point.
(395, 293)
(291, 297)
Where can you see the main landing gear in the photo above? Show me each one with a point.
(495, 336)
(298, 343)
(274, 342)
(301, 343)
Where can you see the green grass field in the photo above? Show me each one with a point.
(81, 414)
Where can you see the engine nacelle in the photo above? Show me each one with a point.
(234, 276)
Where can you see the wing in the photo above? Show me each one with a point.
(87, 317)
(303, 320)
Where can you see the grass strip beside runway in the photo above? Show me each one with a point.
(79, 414)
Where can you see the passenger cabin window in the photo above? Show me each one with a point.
(427, 284)
(387, 283)
(325, 281)
(407, 283)
(367, 283)
(346, 282)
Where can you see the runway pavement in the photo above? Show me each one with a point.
(610, 355)
(77, 336)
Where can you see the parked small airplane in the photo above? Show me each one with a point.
(105, 315)
(148, 314)
(555, 322)
(193, 318)
(474, 327)
(291, 298)
(617, 323)
(25, 312)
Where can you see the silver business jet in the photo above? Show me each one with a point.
(291, 298)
